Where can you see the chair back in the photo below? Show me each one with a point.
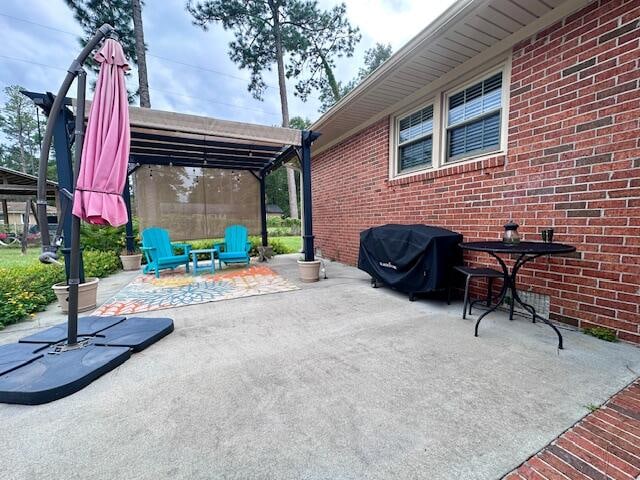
(158, 238)
(235, 237)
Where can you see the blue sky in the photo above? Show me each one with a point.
(189, 69)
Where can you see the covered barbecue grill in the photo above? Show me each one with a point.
(410, 258)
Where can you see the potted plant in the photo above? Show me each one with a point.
(131, 260)
(309, 271)
(87, 295)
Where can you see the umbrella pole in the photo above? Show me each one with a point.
(74, 257)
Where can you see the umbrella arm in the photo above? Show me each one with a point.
(48, 250)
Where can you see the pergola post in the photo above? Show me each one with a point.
(5, 212)
(35, 213)
(305, 160)
(263, 209)
(129, 237)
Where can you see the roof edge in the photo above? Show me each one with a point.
(446, 17)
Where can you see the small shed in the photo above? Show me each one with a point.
(274, 210)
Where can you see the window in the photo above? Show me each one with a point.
(474, 118)
(459, 124)
(415, 140)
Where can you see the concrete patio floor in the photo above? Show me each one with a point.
(333, 381)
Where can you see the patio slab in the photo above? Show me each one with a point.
(336, 380)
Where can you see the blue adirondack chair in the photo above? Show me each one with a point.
(160, 253)
(235, 248)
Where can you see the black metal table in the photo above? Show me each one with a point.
(525, 251)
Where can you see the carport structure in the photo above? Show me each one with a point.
(16, 185)
(181, 140)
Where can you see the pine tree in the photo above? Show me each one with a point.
(126, 18)
(19, 126)
(268, 32)
(373, 58)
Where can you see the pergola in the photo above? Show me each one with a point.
(168, 138)
(16, 185)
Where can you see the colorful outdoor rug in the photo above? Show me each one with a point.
(178, 289)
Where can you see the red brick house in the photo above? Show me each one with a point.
(502, 109)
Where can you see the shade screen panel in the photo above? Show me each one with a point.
(193, 203)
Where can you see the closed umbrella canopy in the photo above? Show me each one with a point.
(105, 154)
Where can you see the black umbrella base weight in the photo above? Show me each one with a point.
(39, 369)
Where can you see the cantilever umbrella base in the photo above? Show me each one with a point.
(37, 371)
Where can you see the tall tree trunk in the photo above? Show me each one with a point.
(23, 157)
(138, 30)
(293, 192)
(330, 78)
(284, 104)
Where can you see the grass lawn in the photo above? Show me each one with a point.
(292, 243)
(12, 257)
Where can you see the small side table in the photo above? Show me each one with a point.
(203, 268)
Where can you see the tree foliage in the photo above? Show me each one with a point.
(323, 37)
(310, 38)
(21, 136)
(91, 14)
(373, 58)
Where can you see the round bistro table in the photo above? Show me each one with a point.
(525, 252)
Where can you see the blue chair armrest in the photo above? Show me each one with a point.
(147, 254)
(248, 247)
(220, 247)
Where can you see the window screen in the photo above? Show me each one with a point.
(415, 140)
(473, 121)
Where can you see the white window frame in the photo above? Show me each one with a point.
(502, 145)
(440, 102)
(398, 144)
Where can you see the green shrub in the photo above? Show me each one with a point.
(283, 227)
(100, 264)
(275, 222)
(26, 289)
(602, 333)
(279, 247)
(106, 239)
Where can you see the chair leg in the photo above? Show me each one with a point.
(466, 299)
(157, 272)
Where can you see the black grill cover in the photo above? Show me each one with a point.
(410, 258)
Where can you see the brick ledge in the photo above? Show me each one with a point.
(491, 162)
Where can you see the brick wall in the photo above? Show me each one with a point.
(573, 163)
(604, 445)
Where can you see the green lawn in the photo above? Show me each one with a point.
(292, 243)
(12, 257)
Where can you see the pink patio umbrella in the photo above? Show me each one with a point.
(105, 154)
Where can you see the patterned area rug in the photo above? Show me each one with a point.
(178, 289)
